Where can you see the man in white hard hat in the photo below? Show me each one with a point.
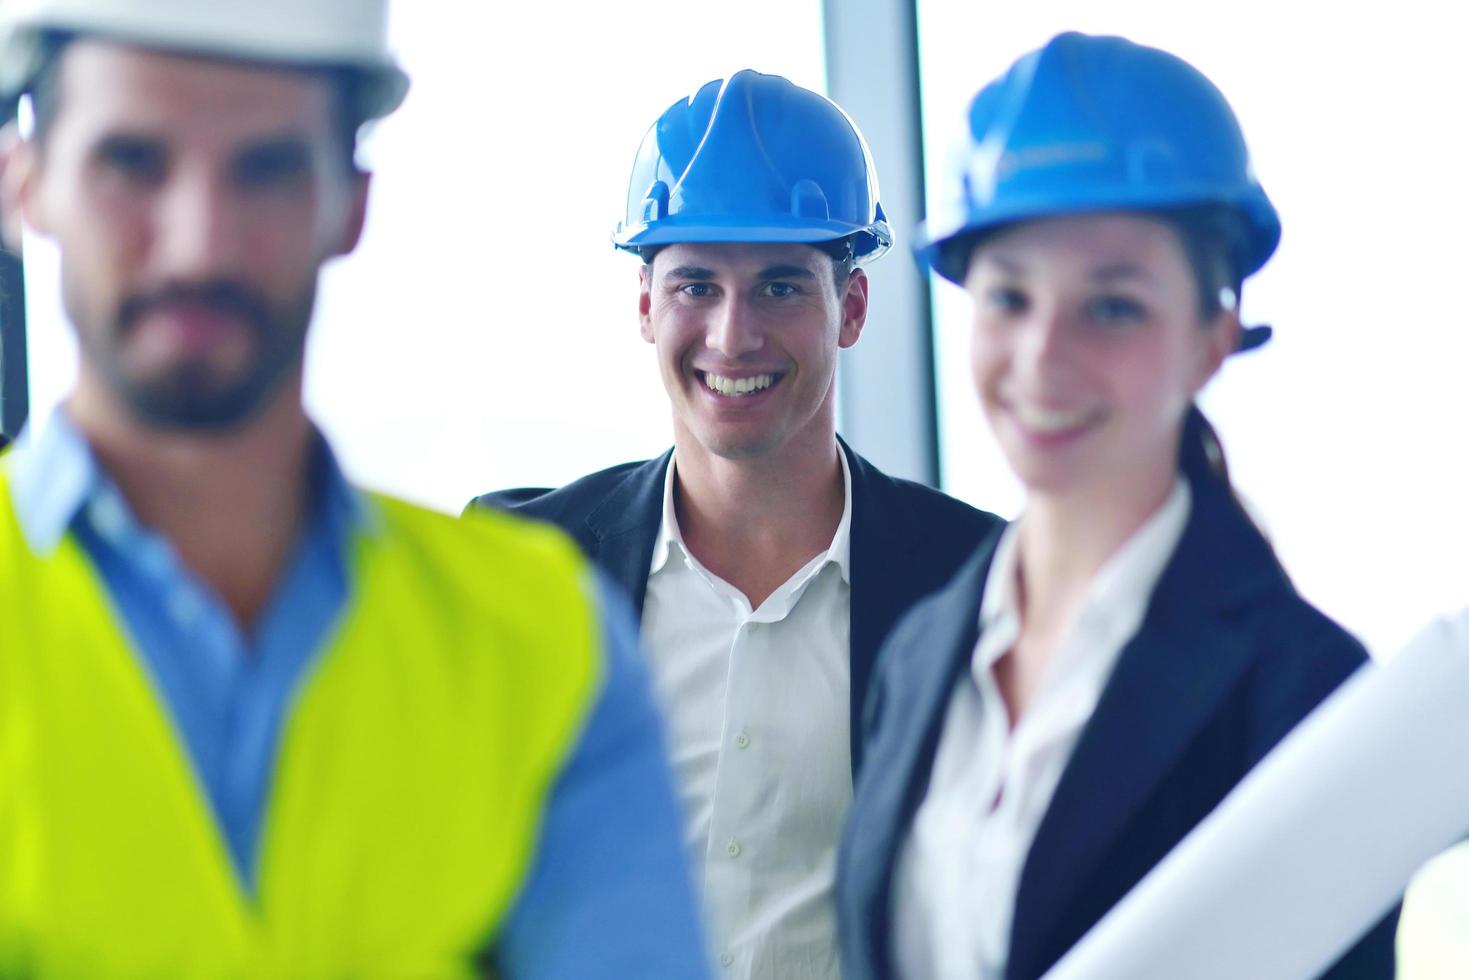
(254, 722)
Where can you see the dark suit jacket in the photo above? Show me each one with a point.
(907, 540)
(1228, 659)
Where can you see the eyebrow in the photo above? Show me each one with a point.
(285, 150)
(787, 272)
(696, 272)
(1106, 274)
(1120, 270)
(1005, 263)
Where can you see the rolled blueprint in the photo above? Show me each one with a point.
(1316, 843)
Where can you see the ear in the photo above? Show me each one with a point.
(356, 217)
(19, 176)
(854, 309)
(645, 302)
(1221, 339)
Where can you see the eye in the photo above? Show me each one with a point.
(138, 160)
(780, 290)
(1116, 310)
(272, 165)
(697, 290)
(1007, 300)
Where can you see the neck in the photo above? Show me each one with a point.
(1066, 538)
(231, 504)
(755, 522)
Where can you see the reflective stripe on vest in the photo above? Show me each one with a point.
(413, 769)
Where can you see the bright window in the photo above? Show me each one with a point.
(1346, 433)
(485, 333)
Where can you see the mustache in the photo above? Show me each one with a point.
(221, 296)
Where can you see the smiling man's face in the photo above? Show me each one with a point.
(747, 338)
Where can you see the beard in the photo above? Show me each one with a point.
(194, 395)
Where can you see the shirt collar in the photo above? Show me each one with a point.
(54, 475)
(839, 552)
(1119, 591)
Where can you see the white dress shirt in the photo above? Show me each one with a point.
(959, 869)
(756, 703)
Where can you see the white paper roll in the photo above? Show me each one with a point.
(1317, 842)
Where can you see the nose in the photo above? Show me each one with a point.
(1042, 346)
(734, 328)
(200, 228)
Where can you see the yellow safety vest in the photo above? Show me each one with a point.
(414, 766)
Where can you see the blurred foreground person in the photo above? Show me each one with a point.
(1094, 680)
(766, 558)
(254, 722)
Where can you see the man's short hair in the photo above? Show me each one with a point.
(843, 260)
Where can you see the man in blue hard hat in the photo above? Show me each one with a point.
(766, 558)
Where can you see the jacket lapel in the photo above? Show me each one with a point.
(883, 535)
(1169, 683)
(623, 528)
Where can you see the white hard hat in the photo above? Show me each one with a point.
(347, 33)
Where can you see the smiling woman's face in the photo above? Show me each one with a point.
(1088, 347)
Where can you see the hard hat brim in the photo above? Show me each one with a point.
(738, 229)
(937, 238)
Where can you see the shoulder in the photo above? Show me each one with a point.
(487, 561)
(1297, 637)
(937, 507)
(1298, 656)
(581, 496)
(920, 506)
(1226, 578)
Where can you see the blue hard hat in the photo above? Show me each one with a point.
(754, 158)
(1098, 124)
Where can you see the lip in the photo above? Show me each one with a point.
(192, 328)
(1050, 438)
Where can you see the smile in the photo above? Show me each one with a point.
(737, 387)
(1051, 421)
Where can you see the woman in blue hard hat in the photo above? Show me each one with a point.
(1100, 674)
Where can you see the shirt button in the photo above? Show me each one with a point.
(185, 608)
(754, 627)
(726, 959)
(732, 848)
(108, 516)
(742, 740)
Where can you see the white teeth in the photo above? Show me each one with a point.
(738, 386)
(1050, 420)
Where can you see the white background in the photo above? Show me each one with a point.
(485, 334)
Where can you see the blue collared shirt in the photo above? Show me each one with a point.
(609, 868)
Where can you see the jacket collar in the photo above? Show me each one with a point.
(623, 528)
(670, 536)
(622, 533)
